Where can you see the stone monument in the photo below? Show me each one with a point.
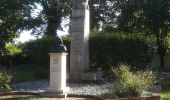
(79, 57)
(57, 71)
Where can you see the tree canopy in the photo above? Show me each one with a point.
(151, 17)
(17, 15)
(48, 21)
(12, 15)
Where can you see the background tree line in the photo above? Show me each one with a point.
(146, 17)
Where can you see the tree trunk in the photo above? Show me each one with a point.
(161, 47)
(51, 27)
(162, 60)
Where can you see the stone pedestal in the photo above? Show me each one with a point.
(79, 57)
(57, 75)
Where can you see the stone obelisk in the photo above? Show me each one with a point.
(79, 57)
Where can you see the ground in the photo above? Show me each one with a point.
(165, 93)
(30, 97)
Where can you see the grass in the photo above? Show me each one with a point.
(22, 76)
(29, 74)
(165, 94)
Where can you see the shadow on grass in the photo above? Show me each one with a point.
(23, 75)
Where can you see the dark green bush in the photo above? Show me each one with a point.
(11, 55)
(37, 53)
(5, 81)
(37, 50)
(111, 49)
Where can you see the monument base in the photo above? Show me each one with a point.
(61, 93)
(89, 76)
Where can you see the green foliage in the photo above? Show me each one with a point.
(102, 11)
(5, 81)
(146, 17)
(49, 20)
(11, 54)
(37, 52)
(165, 95)
(165, 84)
(129, 84)
(109, 49)
(12, 14)
(12, 49)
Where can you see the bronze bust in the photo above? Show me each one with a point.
(80, 4)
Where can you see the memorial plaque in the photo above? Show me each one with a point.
(56, 61)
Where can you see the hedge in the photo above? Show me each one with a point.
(108, 49)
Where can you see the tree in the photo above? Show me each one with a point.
(48, 21)
(146, 17)
(11, 17)
(17, 15)
(102, 14)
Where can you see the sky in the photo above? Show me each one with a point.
(26, 35)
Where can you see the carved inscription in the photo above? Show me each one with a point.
(55, 61)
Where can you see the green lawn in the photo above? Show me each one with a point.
(22, 75)
(165, 94)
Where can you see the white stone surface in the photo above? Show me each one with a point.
(79, 57)
(58, 73)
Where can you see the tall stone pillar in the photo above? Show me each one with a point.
(79, 58)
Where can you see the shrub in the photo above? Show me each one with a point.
(5, 81)
(11, 51)
(37, 50)
(109, 49)
(130, 84)
(37, 53)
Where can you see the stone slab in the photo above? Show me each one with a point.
(60, 93)
(89, 76)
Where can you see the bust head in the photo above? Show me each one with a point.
(80, 4)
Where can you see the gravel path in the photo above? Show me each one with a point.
(75, 88)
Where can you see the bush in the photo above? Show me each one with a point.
(11, 51)
(109, 49)
(129, 84)
(37, 53)
(5, 81)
